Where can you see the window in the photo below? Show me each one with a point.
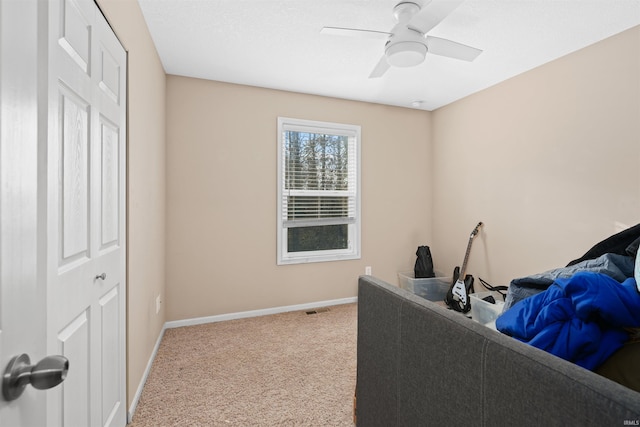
(318, 191)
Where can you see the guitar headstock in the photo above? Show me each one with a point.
(476, 230)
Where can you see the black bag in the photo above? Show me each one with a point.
(424, 263)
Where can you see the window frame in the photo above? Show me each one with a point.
(285, 257)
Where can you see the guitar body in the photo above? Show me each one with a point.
(458, 295)
(462, 285)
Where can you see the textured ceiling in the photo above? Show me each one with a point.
(277, 43)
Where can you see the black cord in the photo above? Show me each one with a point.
(499, 289)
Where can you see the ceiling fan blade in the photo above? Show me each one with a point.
(433, 14)
(451, 49)
(380, 68)
(355, 32)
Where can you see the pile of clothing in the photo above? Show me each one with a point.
(584, 312)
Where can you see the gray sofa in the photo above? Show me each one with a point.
(420, 364)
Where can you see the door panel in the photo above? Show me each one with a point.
(74, 345)
(87, 208)
(110, 168)
(110, 75)
(109, 232)
(74, 135)
(75, 31)
(110, 315)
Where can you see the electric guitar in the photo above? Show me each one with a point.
(458, 296)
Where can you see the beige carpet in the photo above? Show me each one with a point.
(290, 369)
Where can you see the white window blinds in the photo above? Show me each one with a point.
(320, 184)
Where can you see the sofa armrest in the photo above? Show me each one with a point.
(421, 364)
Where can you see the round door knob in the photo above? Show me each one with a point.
(47, 373)
(102, 276)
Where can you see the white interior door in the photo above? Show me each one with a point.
(62, 206)
(86, 214)
(22, 290)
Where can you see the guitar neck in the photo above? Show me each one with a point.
(463, 269)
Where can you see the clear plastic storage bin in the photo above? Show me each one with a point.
(432, 289)
(483, 311)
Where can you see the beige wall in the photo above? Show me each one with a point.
(146, 186)
(549, 160)
(221, 197)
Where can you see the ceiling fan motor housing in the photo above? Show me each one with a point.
(406, 53)
(406, 47)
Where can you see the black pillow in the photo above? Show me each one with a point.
(620, 243)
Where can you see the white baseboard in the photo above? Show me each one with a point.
(256, 313)
(221, 318)
(136, 397)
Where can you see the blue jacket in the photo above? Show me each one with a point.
(580, 318)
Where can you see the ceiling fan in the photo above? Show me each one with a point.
(407, 42)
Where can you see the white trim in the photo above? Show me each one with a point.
(136, 397)
(256, 313)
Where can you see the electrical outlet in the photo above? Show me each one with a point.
(158, 302)
(367, 270)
